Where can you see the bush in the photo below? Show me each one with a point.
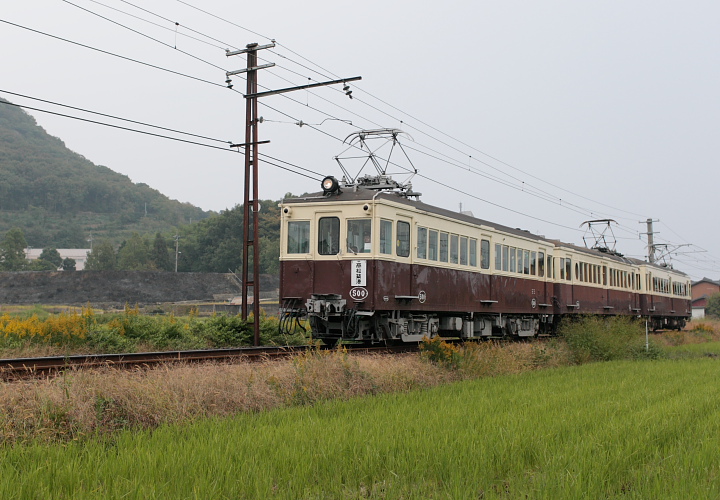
(595, 338)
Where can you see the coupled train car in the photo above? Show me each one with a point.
(366, 263)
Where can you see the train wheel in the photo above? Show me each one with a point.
(330, 342)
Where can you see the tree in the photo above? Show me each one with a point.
(159, 255)
(12, 251)
(50, 254)
(102, 257)
(134, 254)
(713, 306)
(68, 264)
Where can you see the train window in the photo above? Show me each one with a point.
(577, 272)
(454, 248)
(485, 254)
(298, 236)
(526, 262)
(473, 252)
(403, 239)
(533, 263)
(358, 236)
(520, 260)
(568, 269)
(329, 236)
(386, 237)
(422, 243)
(549, 266)
(512, 260)
(433, 245)
(506, 249)
(498, 256)
(562, 269)
(638, 281)
(443, 247)
(463, 251)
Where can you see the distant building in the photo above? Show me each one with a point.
(701, 290)
(79, 255)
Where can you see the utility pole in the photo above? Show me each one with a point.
(651, 244)
(251, 239)
(177, 243)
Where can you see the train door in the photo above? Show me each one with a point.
(404, 273)
(328, 266)
(544, 273)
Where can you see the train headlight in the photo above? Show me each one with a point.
(330, 184)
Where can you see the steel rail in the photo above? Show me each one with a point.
(33, 367)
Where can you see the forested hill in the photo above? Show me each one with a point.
(59, 198)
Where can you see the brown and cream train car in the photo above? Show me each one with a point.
(370, 264)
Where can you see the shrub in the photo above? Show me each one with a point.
(438, 351)
(594, 338)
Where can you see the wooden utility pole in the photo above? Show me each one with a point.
(251, 208)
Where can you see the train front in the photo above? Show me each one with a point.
(327, 241)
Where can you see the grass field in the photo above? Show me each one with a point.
(622, 429)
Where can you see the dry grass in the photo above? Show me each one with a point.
(697, 332)
(81, 403)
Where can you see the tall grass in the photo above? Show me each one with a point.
(603, 430)
(86, 331)
(594, 338)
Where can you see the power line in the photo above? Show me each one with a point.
(114, 117)
(327, 114)
(146, 36)
(111, 53)
(167, 137)
(521, 188)
(177, 25)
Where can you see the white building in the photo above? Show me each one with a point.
(79, 255)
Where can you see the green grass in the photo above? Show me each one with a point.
(711, 349)
(605, 430)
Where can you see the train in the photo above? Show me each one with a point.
(368, 262)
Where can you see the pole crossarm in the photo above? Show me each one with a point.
(302, 87)
(250, 47)
(245, 70)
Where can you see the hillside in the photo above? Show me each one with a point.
(59, 198)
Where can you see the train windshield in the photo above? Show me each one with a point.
(329, 236)
(359, 238)
(298, 236)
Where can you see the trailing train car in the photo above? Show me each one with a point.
(366, 262)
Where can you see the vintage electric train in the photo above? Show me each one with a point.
(365, 262)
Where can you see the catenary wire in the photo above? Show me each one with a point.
(112, 54)
(197, 79)
(523, 187)
(177, 25)
(165, 137)
(112, 116)
(145, 35)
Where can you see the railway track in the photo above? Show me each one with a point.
(17, 368)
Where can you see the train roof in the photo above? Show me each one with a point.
(351, 194)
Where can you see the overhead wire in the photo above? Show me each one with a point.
(112, 116)
(95, 122)
(112, 54)
(177, 25)
(145, 35)
(398, 109)
(523, 187)
(298, 74)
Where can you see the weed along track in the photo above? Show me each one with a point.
(22, 368)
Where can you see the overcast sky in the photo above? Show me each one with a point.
(538, 115)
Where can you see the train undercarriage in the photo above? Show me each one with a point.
(331, 321)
